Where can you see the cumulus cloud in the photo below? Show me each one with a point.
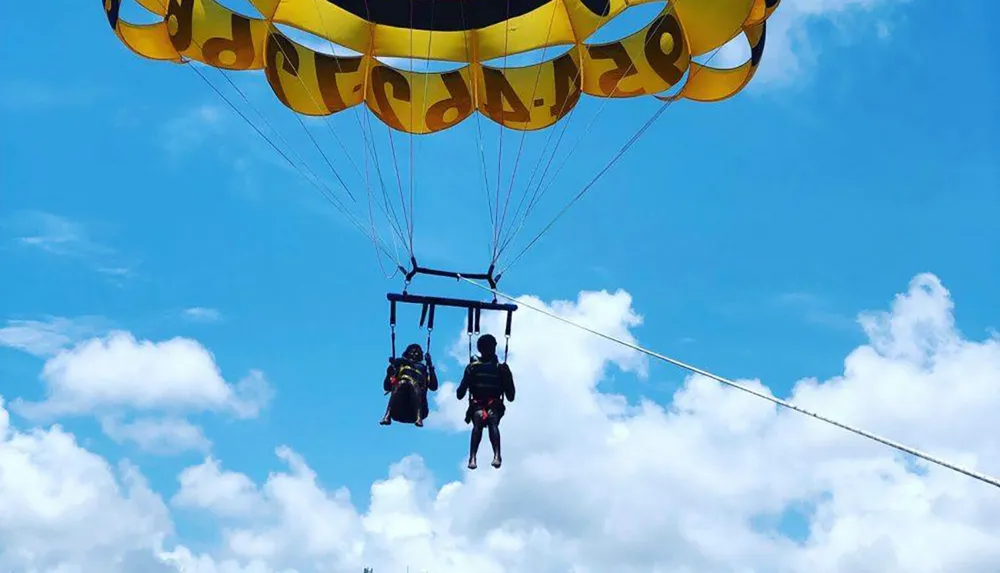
(709, 482)
(704, 483)
(118, 371)
(164, 436)
(793, 47)
(64, 509)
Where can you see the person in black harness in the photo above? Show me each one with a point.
(487, 381)
(412, 374)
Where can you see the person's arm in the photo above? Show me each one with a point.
(463, 386)
(432, 379)
(390, 373)
(507, 382)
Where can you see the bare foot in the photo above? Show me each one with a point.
(496, 462)
(472, 463)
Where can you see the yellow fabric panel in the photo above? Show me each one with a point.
(148, 40)
(546, 26)
(417, 102)
(208, 32)
(707, 84)
(758, 13)
(422, 44)
(531, 97)
(322, 19)
(709, 24)
(585, 22)
(158, 7)
(647, 62)
(556, 22)
(310, 82)
(265, 7)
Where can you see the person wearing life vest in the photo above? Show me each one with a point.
(413, 370)
(488, 382)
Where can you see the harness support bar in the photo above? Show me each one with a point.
(452, 302)
(416, 269)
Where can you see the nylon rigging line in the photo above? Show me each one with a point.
(324, 190)
(394, 221)
(540, 191)
(732, 384)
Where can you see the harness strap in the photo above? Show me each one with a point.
(392, 326)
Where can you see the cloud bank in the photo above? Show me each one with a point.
(715, 480)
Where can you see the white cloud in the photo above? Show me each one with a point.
(202, 314)
(163, 436)
(792, 47)
(594, 483)
(118, 371)
(61, 236)
(66, 510)
(45, 338)
(225, 493)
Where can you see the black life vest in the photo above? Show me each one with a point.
(485, 384)
(412, 372)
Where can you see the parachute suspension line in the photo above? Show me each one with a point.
(506, 43)
(367, 139)
(541, 155)
(520, 149)
(628, 144)
(321, 187)
(374, 232)
(539, 191)
(330, 198)
(591, 183)
(371, 219)
(473, 56)
(387, 205)
(399, 186)
(324, 191)
(395, 163)
(423, 110)
(273, 29)
(736, 385)
(412, 165)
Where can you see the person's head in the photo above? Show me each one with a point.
(487, 345)
(413, 353)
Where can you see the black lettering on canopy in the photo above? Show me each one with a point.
(111, 8)
(757, 50)
(450, 15)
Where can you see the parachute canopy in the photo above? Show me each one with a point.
(650, 61)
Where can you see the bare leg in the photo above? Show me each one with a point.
(495, 442)
(421, 400)
(476, 439)
(386, 420)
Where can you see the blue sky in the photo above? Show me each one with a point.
(750, 233)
